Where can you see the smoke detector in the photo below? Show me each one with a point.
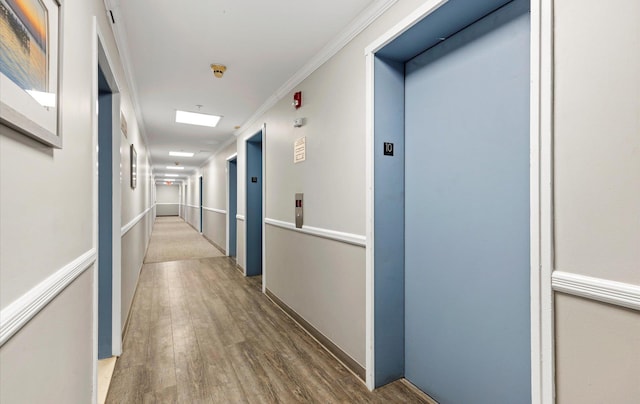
(218, 70)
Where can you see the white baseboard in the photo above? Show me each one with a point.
(22, 310)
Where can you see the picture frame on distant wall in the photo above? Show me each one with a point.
(30, 68)
(134, 167)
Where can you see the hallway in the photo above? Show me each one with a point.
(201, 332)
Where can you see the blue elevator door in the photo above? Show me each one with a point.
(467, 330)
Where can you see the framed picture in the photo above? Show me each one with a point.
(30, 49)
(134, 168)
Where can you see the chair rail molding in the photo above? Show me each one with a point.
(354, 239)
(603, 290)
(17, 314)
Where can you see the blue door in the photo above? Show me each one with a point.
(254, 205)
(233, 206)
(467, 319)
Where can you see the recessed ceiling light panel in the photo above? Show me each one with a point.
(180, 154)
(194, 118)
(175, 168)
(171, 175)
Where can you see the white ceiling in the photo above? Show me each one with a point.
(167, 47)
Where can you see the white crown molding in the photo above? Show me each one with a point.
(359, 24)
(354, 239)
(222, 212)
(602, 290)
(240, 217)
(21, 311)
(125, 229)
(120, 36)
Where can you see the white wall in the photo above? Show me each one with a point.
(167, 200)
(47, 222)
(597, 195)
(333, 182)
(215, 187)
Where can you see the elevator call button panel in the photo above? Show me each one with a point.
(299, 214)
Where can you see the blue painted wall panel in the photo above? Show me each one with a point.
(233, 207)
(389, 222)
(254, 206)
(105, 219)
(467, 331)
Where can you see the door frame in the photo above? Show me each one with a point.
(101, 58)
(541, 192)
(228, 160)
(263, 129)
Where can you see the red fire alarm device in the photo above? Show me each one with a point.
(297, 99)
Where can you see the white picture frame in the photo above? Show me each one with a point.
(30, 68)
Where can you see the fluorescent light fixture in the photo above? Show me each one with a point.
(171, 175)
(180, 154)
(175, 168)
(194, 118)
(45, 99)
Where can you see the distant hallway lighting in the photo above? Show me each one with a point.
(180, 154)
(175, 168)
(47, 100)
(171, 175)
(194, 118)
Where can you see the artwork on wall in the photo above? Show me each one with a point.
(134, 167)
(30, 49)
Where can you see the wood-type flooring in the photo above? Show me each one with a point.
(200, 332)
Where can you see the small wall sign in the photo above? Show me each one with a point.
(388, 149)
(300, 150)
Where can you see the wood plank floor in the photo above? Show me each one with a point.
(200, 332)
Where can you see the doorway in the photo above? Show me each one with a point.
(451, 189)
(232, 203)
(201, 224)
(254, 213)
(109, 206)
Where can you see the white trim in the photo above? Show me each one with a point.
(603, 290)
(167, 203)
(370, 357)
(233, 156)
(95, 196)
(17, 314)
(240, 217)
(192, 206)
(542, 227)
(221, 211)
(400, 28)
(359, 24)
(125, 229)
(349, 238)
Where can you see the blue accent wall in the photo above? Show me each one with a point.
(389, 221)
(105, 219)
(233, 207)
(254, 206)
(467, 324)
